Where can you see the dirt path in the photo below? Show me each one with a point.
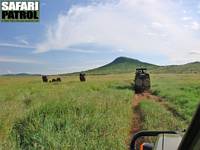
(136, 126)
(137, 116)
(165, 104)
(137, 119)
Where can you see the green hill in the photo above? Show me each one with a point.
(126, 65)
(121, 65)
(186, 68)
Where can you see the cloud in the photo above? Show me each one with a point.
(19, 42)
(22, 39)
(186, 18)
(9, 72)
(195, 25)
(184, 11)
(6, 59)
(157, 25)
(148, 26)
(194, 53)
(23, 44)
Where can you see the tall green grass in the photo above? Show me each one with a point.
(156, 117)
(92, 115)
(69, 115)
(182, 91)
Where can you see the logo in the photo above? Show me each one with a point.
(20, 11)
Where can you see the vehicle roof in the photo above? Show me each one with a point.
(141, 68)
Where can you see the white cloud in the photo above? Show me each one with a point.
(23, 44)
(9, 72)
(194, 53)
(132, 25)
(195, 25)
(19, 42)
(157, 25)
(22, 39)
(186, 18)
(18, 60)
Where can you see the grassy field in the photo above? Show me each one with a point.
(182, 91)
(69, 115)
(92, 115)
(152, 114)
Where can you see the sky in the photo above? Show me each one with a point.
(76, 35)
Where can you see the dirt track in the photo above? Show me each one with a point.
(137, 118)
(137, 115)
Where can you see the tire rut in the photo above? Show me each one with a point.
(137, 115)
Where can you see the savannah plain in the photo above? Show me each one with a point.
(97, 114)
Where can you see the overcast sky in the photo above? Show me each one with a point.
(83, 34)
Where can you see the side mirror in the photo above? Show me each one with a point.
(147, 134)
(146, 146)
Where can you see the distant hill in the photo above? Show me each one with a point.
(126, 65)
(21, 74)
(186, 68)
(121, 65)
